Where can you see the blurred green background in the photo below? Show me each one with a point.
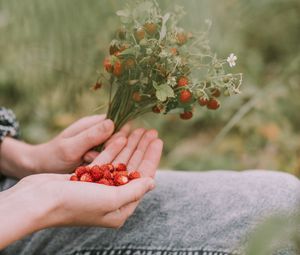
(51, 51)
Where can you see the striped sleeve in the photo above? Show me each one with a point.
(8, 124)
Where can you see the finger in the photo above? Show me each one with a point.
(132, 142)
(124, 131)
(133, 191)
(90, 156)
(151, 158)
(89, 138)
(119, 216)
(82, 124)
(110, 152)
(138, 154)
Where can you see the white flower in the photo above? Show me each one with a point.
(231, 60)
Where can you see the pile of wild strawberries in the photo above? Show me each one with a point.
(107, 174)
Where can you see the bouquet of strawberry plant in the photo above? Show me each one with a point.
(156, 66)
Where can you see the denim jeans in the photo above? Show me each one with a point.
(189, 213)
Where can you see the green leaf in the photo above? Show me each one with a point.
(163, 31)
(163, 92)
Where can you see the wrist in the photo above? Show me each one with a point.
(17, 159)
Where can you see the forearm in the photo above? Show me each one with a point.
(17, 158)
(19, 217)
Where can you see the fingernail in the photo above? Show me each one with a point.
(108, 125)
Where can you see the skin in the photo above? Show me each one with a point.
(45, 197)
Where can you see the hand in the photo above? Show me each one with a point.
(52, 200)
(74, 145)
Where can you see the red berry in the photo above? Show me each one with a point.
(80, 171)
(139, 34)
(202, 101)
(96, 173)
(181, 38)
(183, 81)
(111, 167)
(150, 28)
(123, 173)
(111, 182)
(186, 115)
(107, 174)
(216, 93)
(121, 167)
(104, 181)
(136, 96)
(156, 109)
(117, 68)
(74, 178)
(174, 51)
(87, 177)
(213, 104)
(120, 180)
(185, 96)
(134, 175)
(108, 65)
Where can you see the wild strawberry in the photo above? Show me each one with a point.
(87, 177)
(117, 70)
(129, 64)
(139, 34)
(97, 85)
(134, 175)
(136, 96)
(216, 93)
(151, 28)
(111, 167)
(186, 115)
(74, 178)
(113, 49)
(123, 173)
(213, 104)
(96, 173)
(202, 101)
(183, 81)
(185, 96)
(107, 175)
(156, 109)
(174, 51)
(121, 167)
(80, 171)
(181, 38)
(120, 180)
(111, 182)
(108, 65)
(104, 181)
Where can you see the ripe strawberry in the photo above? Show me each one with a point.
(139, 34)
(186, 115)
(156, 109)
(129, 64)
(108, 65)
(111, 182)
(123, 173)
(136, 96)
(151, 28)
(113, 49)
(213, 104)
(107, 175)
(174, 51)
(104, 181)
(96, 173)
(181, 38)
(87, 177)
(80, 171)
(216, 93)
(183, 81)
(185, 96)
(134, 175)
(111, 167)
(97, 85)
(117, 70)
(74, 178)
(202, 101)
(121, 167)
(120, 180)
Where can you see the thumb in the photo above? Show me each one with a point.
(91, 137)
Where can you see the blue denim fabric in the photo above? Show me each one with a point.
(207, 213)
